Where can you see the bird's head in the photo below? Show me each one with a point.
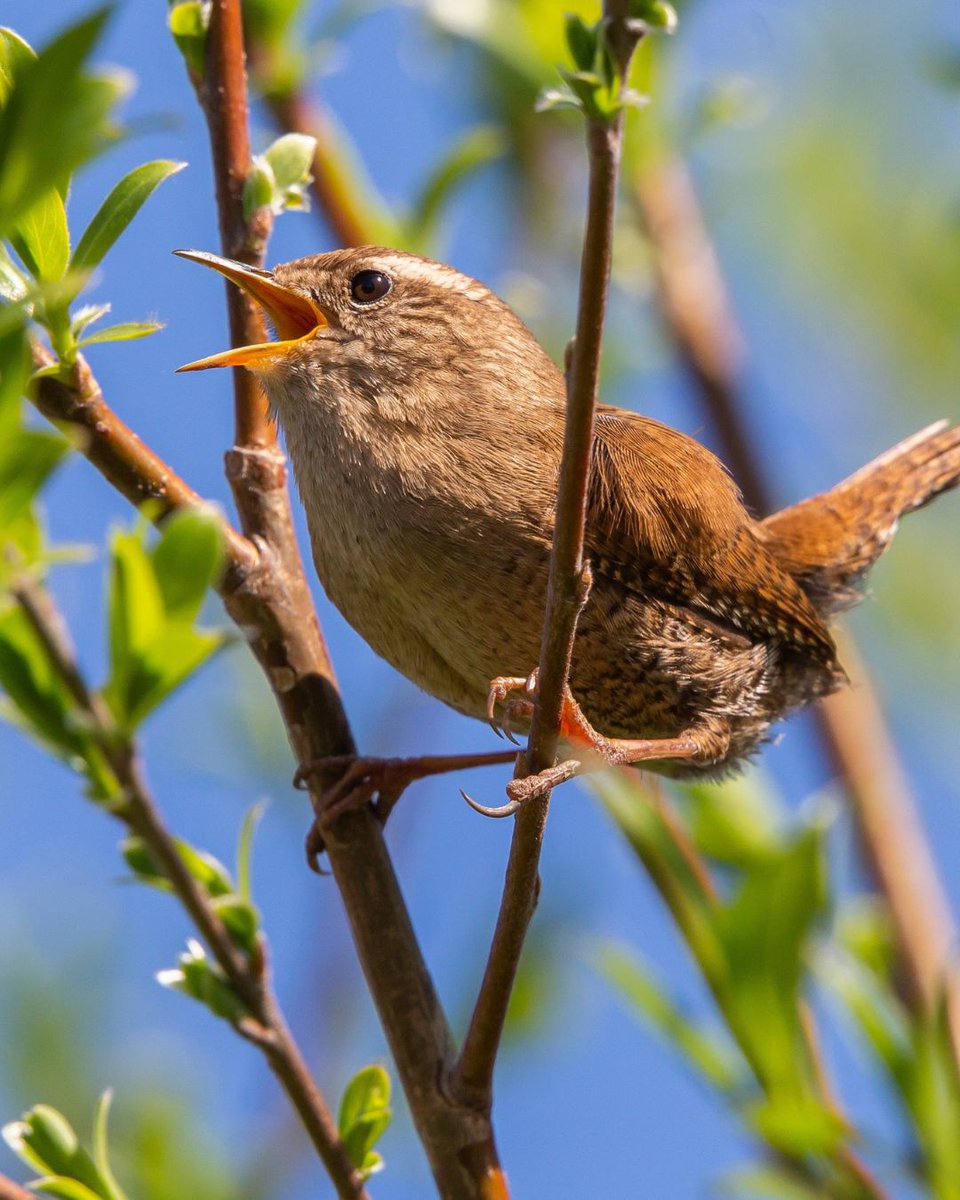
(370, 322)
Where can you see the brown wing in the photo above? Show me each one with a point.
(666, 516)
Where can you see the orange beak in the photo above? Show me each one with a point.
(294, 316)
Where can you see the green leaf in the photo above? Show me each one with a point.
(187, 560)
(45, 1140)
(135, 613)
(42, 238)
(15, 365)
(641, 819)
(101, 1155)
(197, 977)
(15, 55)
(208, 871)
(581, 41)
(27, 459)
(739, 823)
(13, 283)
(160, 668)
(65, 1189)
(933, 1095)
(251, 820)
(764, 931)
(874, 1008)
(188, 23)
(126, 331)
(656, 15)
(711, 1054)
(242, 920)
(365, 1113)
(55, 118)
(39, 697)
(259, 188)
(797, 1127)
(769, 1183)
(119, 209)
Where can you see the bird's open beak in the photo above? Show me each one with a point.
(294, 317)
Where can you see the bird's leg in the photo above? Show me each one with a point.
(383, 780)
(704, 740)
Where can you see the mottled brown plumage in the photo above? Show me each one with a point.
(425, 426)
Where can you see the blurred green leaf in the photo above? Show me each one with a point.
(208, 871)
(118, 210)
(710, 1053)
(764, 930)
(737, 822)
(769, 1183)
(657, 15)
(251, 820)
(15, 367)
(101, 1153)
(641, 819)
(39, 697)
(364, 1115)
(187, 559)
(27, 459)
(797, 1127)
(15, 55)
(46, 1141)
(153, 599)
(188, 23)
(933, 1094)
(242, 920)
(200, 979)
(55, 118)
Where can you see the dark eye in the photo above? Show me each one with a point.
(367, 286)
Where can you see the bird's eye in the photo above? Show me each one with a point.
(367, 286)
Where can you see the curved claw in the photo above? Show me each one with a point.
(503, 810)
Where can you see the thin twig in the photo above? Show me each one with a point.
(249, 977)
(13, 1191)
(566, 593)
(698, 314)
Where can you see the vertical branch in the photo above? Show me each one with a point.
(857, 744)
(223, 97)
(289, 646)
(567, 588)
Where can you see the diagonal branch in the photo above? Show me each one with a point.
(567, 589)
(249, 977)
(857, 744)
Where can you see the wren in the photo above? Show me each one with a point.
(425, 423)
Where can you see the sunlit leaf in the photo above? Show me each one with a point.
(364, 1112)
(126, 331)
(118, 210)
(55, 117)
(42, 239)
(187, 559)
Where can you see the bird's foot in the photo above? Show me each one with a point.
(598, 751)
(375, 781)
(514, 708)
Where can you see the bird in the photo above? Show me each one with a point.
(425, 423)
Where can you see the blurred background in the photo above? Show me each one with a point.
(824, 145)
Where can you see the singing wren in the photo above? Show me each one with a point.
(425, 424)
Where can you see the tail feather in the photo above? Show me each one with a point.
(829, 542)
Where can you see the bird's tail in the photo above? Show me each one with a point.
(830, 541)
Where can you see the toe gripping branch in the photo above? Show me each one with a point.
(575, 729)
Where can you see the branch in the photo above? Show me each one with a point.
(13, 1191)
(857, 744)
(567, 588)
(249, 977)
